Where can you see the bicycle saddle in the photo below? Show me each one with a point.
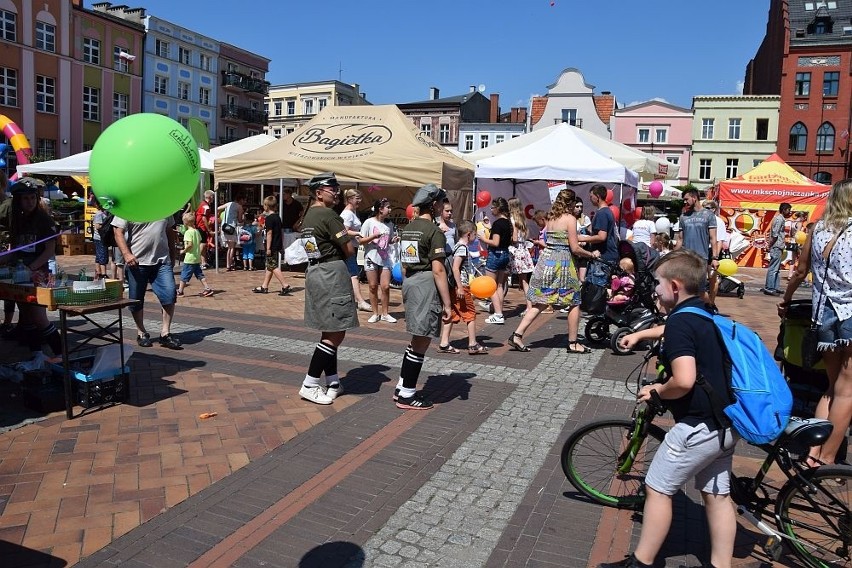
(807, 431)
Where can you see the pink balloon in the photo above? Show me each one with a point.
(655, 189)
(609, 196)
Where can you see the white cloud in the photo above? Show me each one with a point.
(740, 86)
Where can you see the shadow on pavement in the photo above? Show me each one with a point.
(333, 554)
(17, 555)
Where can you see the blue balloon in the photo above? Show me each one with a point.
(396, 272)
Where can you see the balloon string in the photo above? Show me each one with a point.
(28, 245)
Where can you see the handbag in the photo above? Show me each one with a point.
(810, 341)
(229, 229)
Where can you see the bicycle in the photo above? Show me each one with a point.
(606, 460)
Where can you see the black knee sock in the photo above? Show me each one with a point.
(411, 364)
(331, 364)
(324, 355)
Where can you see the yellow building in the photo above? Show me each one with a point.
(292, 105)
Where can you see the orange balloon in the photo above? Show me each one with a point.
(483, 287)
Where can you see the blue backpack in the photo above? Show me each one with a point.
(762, 400)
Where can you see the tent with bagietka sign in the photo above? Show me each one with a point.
(373, 148)
(749, 202)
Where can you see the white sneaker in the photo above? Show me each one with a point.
(485, 305)
(495, 318)
(564, 310)
(388, 318)
(365, 306)
(373, 318)
(315, 395)
(334, 392)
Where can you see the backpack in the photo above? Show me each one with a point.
(762, 399)
(448, 266)
(105, 231)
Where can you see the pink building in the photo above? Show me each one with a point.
(658, 128)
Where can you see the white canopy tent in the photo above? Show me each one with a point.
(78, 165)
(646, 165)
(241, 146)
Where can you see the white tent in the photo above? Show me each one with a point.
(241, 146)
(78, 165)
(560, 155)
(647, 165)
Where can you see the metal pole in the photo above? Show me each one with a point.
(216, 229)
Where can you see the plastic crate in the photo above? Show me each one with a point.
(96, 389)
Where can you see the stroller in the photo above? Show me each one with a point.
(639, 311)
(807, 385)
(728, 284)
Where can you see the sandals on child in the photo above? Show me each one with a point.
(448, 349)
(477, 349)
(517, 346)
(573, 345)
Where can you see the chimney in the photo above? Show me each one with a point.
(606, 93)
(473, 88)
(434, 93)
(495, 108)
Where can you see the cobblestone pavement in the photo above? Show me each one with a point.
(272, 480)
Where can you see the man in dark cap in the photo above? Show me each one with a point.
(425, 291)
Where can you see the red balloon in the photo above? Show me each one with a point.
(409, 212)
(483, 198)
(629, 219)
(627, 204)
(615, 212)
(609, 196)
(637, 213)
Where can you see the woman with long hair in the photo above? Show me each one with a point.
(497, 263)
(554, 280)
(377, 235)
(827, 253)
(352, 223)
(31, 229)
(522, 263)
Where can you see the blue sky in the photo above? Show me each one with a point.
(395, 50)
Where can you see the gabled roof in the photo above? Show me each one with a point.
(537, 110)
(454, 100)
(655, 102)
(604, 105)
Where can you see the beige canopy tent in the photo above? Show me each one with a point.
(374, 147)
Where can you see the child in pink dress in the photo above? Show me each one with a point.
(621, 287)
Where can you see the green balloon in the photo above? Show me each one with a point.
(144, 167)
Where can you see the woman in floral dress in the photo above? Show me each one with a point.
(554, 280)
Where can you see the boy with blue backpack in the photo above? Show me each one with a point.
(697, 446)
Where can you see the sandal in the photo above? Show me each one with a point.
(572, 348)
(285, 291)
(518, 346)
(260, 290)
(477, 349)
(448, 349)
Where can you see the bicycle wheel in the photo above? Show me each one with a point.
(590, 461)
(819, 522)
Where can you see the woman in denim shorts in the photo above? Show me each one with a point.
(827, 253)
(497, 263)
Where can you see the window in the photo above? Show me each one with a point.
(120, 104)
(468, 142)
(309, 106)
(644, 135)
(798, 138)
(661, 135)
(444, 133)
(184, 55)
(203, 95)
(705, 167)
(291, 108)
(46, 148)
(483, 140)
(499, 138)
(45, 94)
(161, 48)
(825, 138)
(91, 103)
(707, 128)
(322, 103)
(184, 121)
(822, 177)
(673, 159)
(426, 129)
(204, 61)
(8, 87)
(734, 128)
(183, 91)
(803, 84)
(755, 163)
(277, 133)
(762, 128)
(732, 165)
(278, 108)
(8, 25)
(830, 83)
(569, 115)
(161, 85)
(91, 51)
(45, 36)
(119, 63)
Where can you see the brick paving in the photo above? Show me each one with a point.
(273, 480)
